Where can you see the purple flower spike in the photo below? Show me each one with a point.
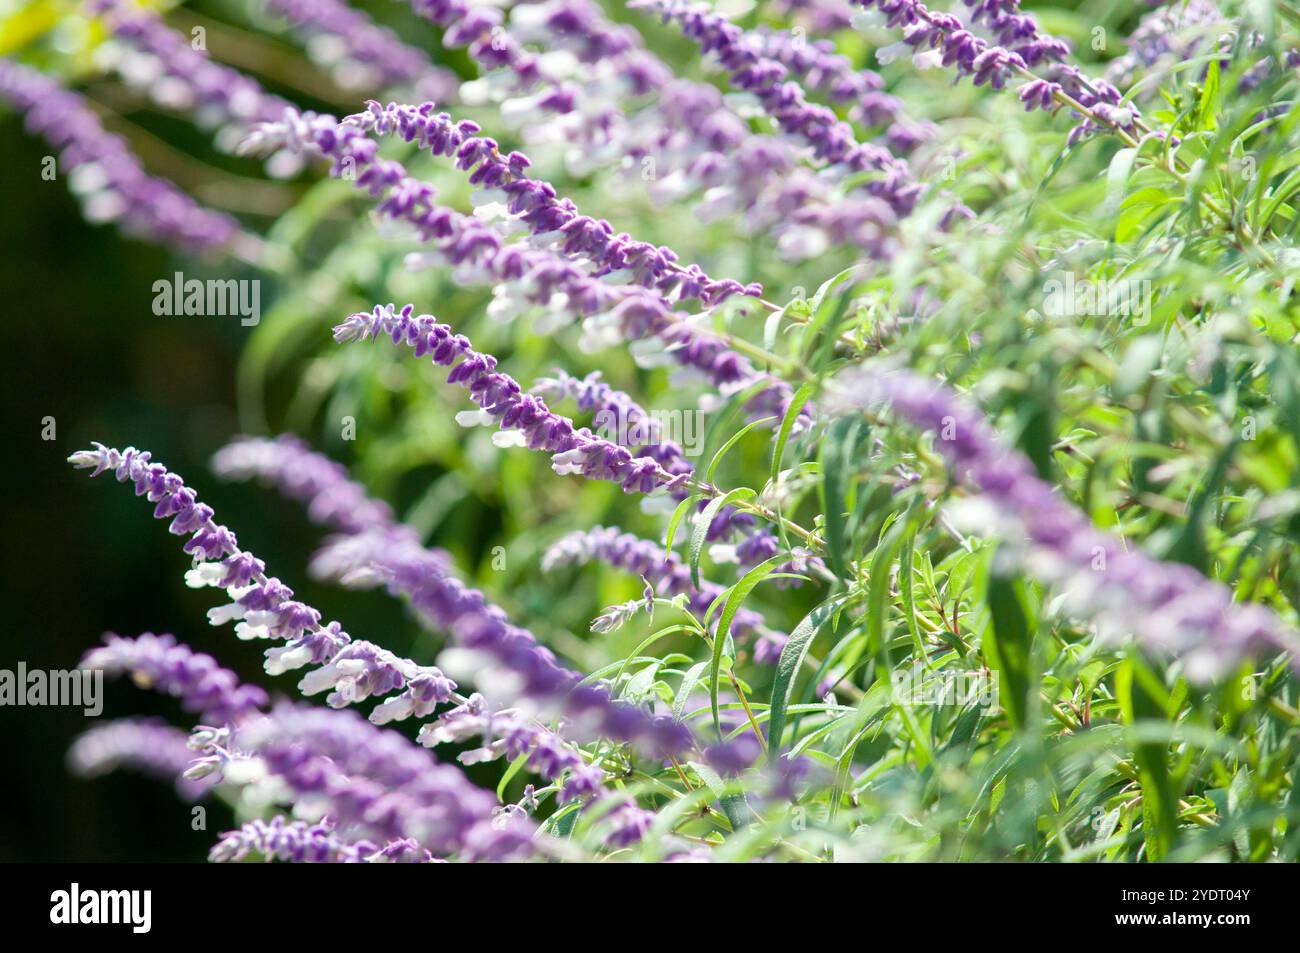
(159, 663)
(219, 95)
(298, 842)
(152, 747)
(288, 463)
(1169, 607)
(832, 140)
(538, 205)
(262, 606)
(573, 450)
(380, 785)
(464, 241)
(362, 51)
(505, 654)
(639, 557)
(312, 478)
(110, 179)
(1023, 46)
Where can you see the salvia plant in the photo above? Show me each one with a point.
(890, 411)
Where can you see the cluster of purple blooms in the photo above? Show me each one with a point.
(572, 449)
(101, 167)
(831, 139)
(640, 311)
(151, 56)
(362, 52)
(299, 842)
(371, 782)
(149, 746)
(362, 792)
(1023, 47)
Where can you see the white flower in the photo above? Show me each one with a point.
(286, 658)
(478, 755)
(205, 574)
(568, 462)
(220, 615)
(504, 439)
(894, 51)
(475, 418)
(257, 625)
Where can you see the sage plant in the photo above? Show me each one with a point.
(787, 450)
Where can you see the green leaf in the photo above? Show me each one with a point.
(700, 531)
(1142, 696)
(1117, 175)
(694, 675)
(878, 583)
(735, 596)
(787, 424)
(1209, 103)
(787, 667)
(683, 508)
(508, 775)
(907, 591)
(1007, 643)
(838, 461)
(1189, 546)
(735, 438)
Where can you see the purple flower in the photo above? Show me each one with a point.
(299, 842)
(538, 205)
(733, 757)
(262, 605)
(149, 746)
(1024, 46)
(663, 569)
(831, 139)
(159, 663)
(504, 653)
(284, 462)
(628, 824)
(364, 47)
(102, 169)
(686, 128)
(573, 450)
(379, 785)
(464, 241)
(288, 463)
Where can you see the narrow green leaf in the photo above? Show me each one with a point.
(735, 597)
(683, 508)
(878, 583)
(694, 675)
(838, 458)
(700, 530)
(787, 667)
(735, 438)
(508, 775)
(787, 424)
(1007, 643)
(1141, 696)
